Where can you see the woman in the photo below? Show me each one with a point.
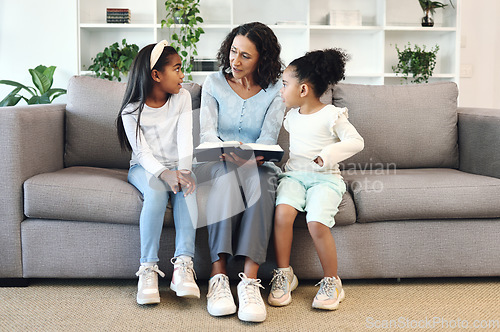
(241, 103)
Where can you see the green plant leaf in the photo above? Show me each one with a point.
(16, 84)
(41, 82)
(11, 99)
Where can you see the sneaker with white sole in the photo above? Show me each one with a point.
(330, 294)
(183, 279)
(147, 288)
(220, 301)
(251, 305)
(282, 285)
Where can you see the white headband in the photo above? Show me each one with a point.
(156, 52)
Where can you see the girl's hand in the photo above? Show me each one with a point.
(178, 180)
(233, 158)
(319, 161)
(171, 178)
(188, 184)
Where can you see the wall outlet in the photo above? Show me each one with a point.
(465, 70)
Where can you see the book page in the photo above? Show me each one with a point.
(211, 145)
(262, 147)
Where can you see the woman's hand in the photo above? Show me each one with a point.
(179, 180)
(233, 158)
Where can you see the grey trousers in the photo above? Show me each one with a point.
(240, 208)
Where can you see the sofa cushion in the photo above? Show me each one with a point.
(83, 194)
(433, 193)
(404, 126)
(92, 107)
(91, 111)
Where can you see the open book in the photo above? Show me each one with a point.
(211, 151)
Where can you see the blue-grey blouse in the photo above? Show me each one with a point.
(225, 116)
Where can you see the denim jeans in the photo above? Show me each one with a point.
(156, 194)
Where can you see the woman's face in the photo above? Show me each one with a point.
(243, 57)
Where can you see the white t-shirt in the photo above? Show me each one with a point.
(326, 133)
(165, 137)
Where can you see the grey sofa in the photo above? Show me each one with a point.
(423, 198)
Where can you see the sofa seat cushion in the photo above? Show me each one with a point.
(83, 194)
(434, 193)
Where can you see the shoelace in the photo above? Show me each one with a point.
(186, 269)
(327, 286)
(251, 293)
(147, 272)
(278, 281)
(221, 288)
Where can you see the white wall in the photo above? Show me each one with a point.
(34, 32)
(480, 50)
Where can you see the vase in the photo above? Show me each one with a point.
(180, 19)
(427, 20)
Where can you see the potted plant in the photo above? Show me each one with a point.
(184, 16)
(113, 61)
(429, 8)
(43, 93)
(417, 61)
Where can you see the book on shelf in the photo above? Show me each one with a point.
(117, 15)
(211, 151)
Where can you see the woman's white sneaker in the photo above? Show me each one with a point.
(220, 301)
(147, 288)
(251, 305)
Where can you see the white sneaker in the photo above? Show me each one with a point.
(252, 307)
(330, 294)
(147, 288)
(183, 283)
(220, 301)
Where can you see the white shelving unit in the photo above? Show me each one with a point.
(300, 25)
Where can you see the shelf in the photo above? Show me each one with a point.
(419, 29)
(346, 28)
(116, 26)
(435, 75)
(299, 25)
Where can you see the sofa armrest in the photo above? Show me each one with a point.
(479, 141)
(32, 142)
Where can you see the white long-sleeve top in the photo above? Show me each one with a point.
(165, 138)
(326, 133)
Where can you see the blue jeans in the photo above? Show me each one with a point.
(156, 194)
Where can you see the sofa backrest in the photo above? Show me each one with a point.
(92, 107)
(404, 126)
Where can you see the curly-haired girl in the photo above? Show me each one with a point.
(320, 138)
(241, 103)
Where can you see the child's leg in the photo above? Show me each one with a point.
(153, 211)
(283, 233)
(185, 220)
(322, 203)
(325, 247)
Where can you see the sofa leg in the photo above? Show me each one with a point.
(14, 282)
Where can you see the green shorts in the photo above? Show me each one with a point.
(317, 194)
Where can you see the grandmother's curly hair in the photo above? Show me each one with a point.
(270, 66)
